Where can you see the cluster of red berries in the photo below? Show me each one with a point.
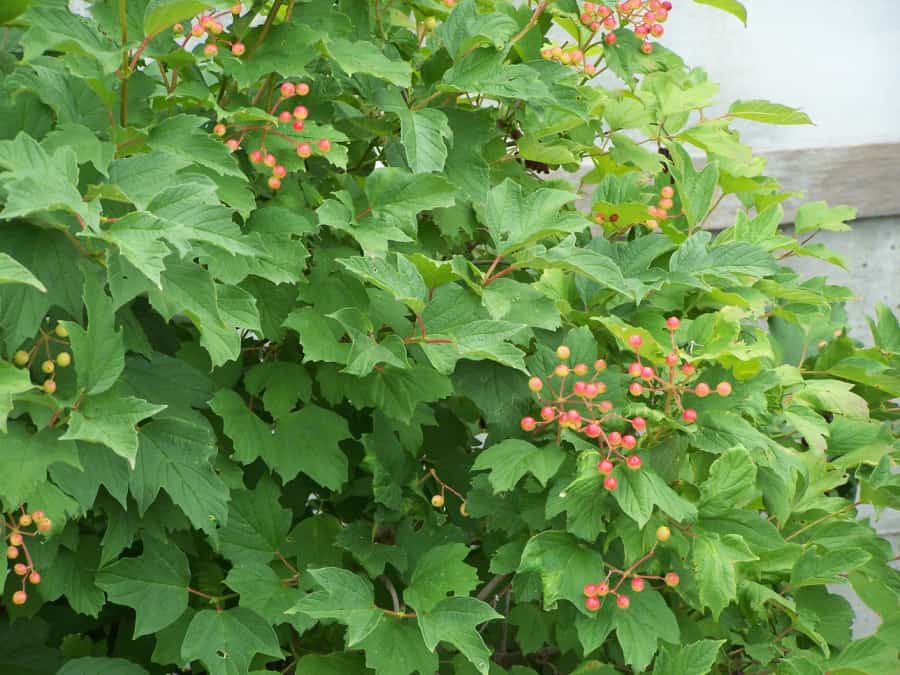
(657, 212)
(646, 17)
(677, 380)
(208, 26)
(63, 359)
(19, 529)
(594, 593)
(294, 115)
(579, 406)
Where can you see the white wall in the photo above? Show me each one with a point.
(836, 60)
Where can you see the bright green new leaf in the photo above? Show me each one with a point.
(731, 6)
(818, 216)
(13, 381)
(768, 112)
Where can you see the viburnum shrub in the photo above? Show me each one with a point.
(379, 337)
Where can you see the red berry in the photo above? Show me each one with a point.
(586, 19)
(591, 390)
(197, 30)
(633, 462)
(623, 602)
(609, 38)
(15, 539)
(50, 386)
(535, 384)
(634, 369)
(34, 578)
(688, 369)
(302, 89)
(702, 390)
(663, 533)
(610, 483)
(216, 28)
(220, 129)
(269, 160)
(21, 569)
(288, 89)
(599, 365)
(579, 388)
(324, 145)
(256, 156)
(667, 6)
(672, 322)
(647, 373)
(590, 590)
(628, 441)
(284, 117)
(279, 171)
(38, 515)
(528, 424)
(580, 369)
(211, 49)
(547, 413)
(637, 584)
(672, 579)
(236, 9)
(723, 388)
(605, 406)
(44, 525)
(614, 438)
(668, 192)
(304, 150)
(12, 552)
(274, 182)
(605, 466)
(666, 204)
(639, 423)
(672, 359)
(573, 417)
(298, 125)
(602, 589)
(656, 30)
(635, 341)
(233, 144)
(689, 416)
(592, 430)
(636, 388)
(610, 23)
(19, 598)
(592, 604)
(300, 112)
(647, 48)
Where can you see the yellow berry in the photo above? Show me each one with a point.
(663, 533)
(48, 367)
(63, 359)
(61, 331)
(20, 358)
(437, 501)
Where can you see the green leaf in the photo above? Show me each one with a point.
(25, 458)
(767, 112)
(465, 29)
(439, 572)
(365, 57)
(731, 483)
(515, 220)
(425, 135)
(696, 658)
(345, 597)
(175, 455)
(13, 381)
(599, 268)
(885, 329)
(511, 459)
(111, 420)
(257, 525)
(396, 647)
(359, 539)
(733, 7)
(161, 14)
(714, 560)
(696, 188)
(227, 641)
(640, 491)
(833, 396)
(812, 569)
(396, 275)
(98, 351)
(154, 585)
(638, 630)
(454, 621)
(100, 665)
(564, 564)
(695, 256)
(264, 593)
(13, 272)
(818, 216)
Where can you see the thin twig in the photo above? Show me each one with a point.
(489, 587)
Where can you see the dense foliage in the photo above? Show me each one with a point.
(320, 354)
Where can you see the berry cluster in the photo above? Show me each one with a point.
(594, 593)
(569, 56)
(291, 114)
(19, 528)
(578, 405)
(439, 499)
(63, 359)
(208, 26)
(678, 380)
(657, 212)
(646, 17)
